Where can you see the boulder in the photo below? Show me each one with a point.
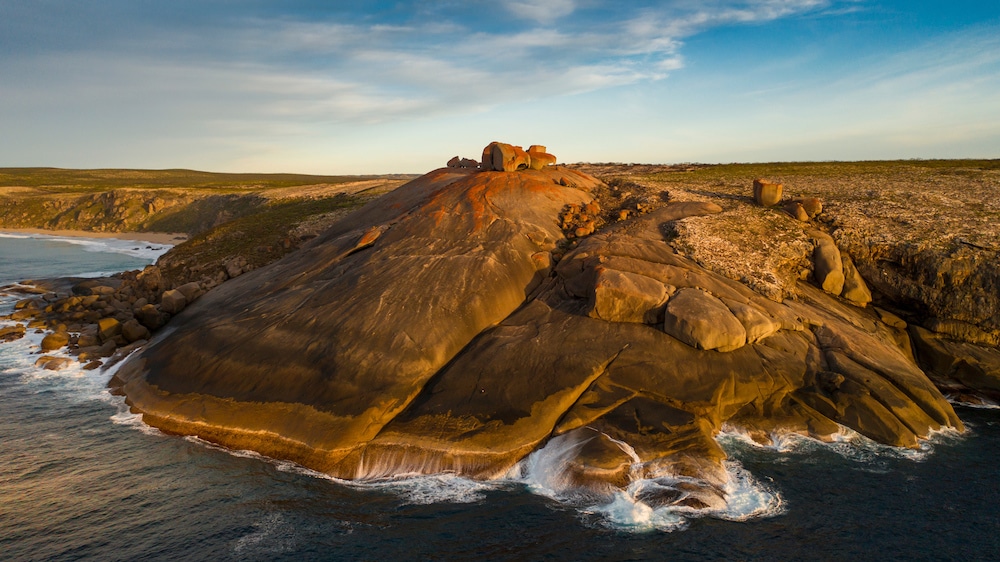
(88, 340)
(11, 333)
(50, 363)
(172, 301)
(455, 162)
(133, 331)
(796, 211)
(766, 192)
(757, 323)
(502, 157)
(828, 267)
(701, 320)
(191, 291)
(235, 267)
(468, 163)
(855, 288)
(539, 157)
(108, 328)
(54, 341)
(151, 317)
(621, 296)
(811, 205)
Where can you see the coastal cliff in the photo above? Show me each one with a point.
(476, 313)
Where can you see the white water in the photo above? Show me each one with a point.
(135, 248)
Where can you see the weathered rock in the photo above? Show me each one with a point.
(172, 301)
(151, 317)
(828, 267)
(796, 211)
(54, 341)
(766, 192)
(703, 321)
(455, 162)
(502, 157)
(855, 288)
(757, 323)
(191, 291)
(50, 363)
(108, 328)
(11, 333)
(958, 364)
(133, 331)
(811, 205)
(620, 296)
(468, 163)
(332, 359)
(539, 157)
(88, 340)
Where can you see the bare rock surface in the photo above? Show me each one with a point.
(453, 326)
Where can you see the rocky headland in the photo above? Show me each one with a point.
(470, 316)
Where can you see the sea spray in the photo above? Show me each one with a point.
(545, 473)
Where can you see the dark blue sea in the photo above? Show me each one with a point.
(83, 479)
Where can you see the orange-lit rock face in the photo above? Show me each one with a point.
(433, 330)
(502, 157)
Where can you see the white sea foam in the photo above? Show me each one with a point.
(135, 248)
(271, 535)
(544, 472)
(421, 489)
(846, 443)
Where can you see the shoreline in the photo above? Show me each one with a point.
(167, 238)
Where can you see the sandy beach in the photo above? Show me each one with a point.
(172, 238)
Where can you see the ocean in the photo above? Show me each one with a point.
(81, 478)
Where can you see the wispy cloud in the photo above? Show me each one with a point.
(359, 68)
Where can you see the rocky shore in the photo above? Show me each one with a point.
(471, 315)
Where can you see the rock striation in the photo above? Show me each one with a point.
(454, 326)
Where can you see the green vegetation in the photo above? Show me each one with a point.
(156, 200)
(58, 180)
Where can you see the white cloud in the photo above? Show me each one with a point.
(543, 11)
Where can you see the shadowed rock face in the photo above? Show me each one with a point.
(431, 331)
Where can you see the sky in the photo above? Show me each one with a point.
(372, 87)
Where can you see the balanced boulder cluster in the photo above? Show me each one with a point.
(502, 157)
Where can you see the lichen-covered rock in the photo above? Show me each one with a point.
(703, 321)
(766, 192)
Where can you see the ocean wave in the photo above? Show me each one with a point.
(744, 497)
(846, 443)
(134, 248)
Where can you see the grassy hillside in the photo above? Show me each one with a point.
(111, 200)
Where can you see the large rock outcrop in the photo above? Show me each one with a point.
(435, 330)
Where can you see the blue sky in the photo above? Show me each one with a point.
(383, 87)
